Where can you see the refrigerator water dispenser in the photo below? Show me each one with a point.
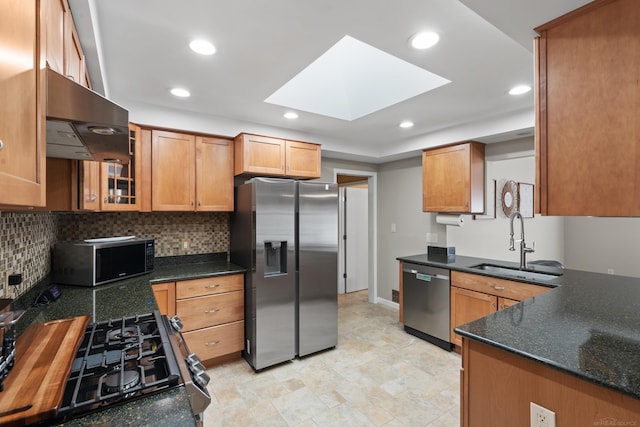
(275, 258)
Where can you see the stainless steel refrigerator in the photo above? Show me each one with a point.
(285, 233)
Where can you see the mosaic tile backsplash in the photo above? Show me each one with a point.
(25, 242)
(26, 239)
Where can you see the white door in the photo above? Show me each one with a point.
(357, 238)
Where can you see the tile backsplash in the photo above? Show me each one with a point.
(25, 242)
(203, 232)
(26, 239)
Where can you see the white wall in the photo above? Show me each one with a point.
(400, 203)
(599, 244)
(489, 238)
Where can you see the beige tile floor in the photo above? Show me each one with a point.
(378, 375)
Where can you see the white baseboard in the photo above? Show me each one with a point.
(388, 303)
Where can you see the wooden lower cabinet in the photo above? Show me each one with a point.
(165, 294)
(216, 341)
(212, 313)
(497, 388)
(474, 296)
(467, 306)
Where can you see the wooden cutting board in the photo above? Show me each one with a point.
(44, 355)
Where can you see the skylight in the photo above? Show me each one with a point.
(353, 79)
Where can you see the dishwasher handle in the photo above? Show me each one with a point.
(424, 276)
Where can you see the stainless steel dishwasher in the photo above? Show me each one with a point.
(426, 302)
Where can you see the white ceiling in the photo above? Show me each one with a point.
(137, 50)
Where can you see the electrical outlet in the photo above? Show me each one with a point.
(432, 237)
(185, 244)
(542, 417)
(610, 271)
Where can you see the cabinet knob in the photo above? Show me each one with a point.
(211, 286)
(199, 204)
(1, 145)
(212, 343)
(94, 197)
(192, 203)
(212, 311)
(498, 288)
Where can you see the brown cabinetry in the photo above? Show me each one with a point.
(474, 296)
(22, 121)
(453, 178)
(191, 173)
(211, 310)
(587, 105)
(262, 155)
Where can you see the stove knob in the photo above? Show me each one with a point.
(176, 323)
(193, 358)
(202, 378)
(197, 367)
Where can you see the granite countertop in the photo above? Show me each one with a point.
(127, 297)
(586, 326)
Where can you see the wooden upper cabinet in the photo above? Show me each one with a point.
(90, 188)
(191, 173)
(22, 121)
(56, 11)
(259, 155)
(303, 159)
(214, 174)
(121, 185)
(453, 178)
(74, 58)
(262, 155)
(588, 105)
(172, 171)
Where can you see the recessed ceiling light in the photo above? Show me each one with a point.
(406, 124)
(202, 47)
(290, 115)
(178, 91)
(519, 90)
(424, 40)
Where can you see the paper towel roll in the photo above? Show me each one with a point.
(455, 220)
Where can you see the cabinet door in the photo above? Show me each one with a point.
(22, 132)
(55, 11)
(453, 179)
(589, 103)
(259, 155)
(467, 306)
(165, 294)
(172, 171)
(121, 184)
(90, 185)
(303, 159)
(214, 174)
(506, 302)
(74, 58)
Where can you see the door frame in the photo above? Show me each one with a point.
(372, 188)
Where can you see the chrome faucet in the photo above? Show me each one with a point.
(524, 250)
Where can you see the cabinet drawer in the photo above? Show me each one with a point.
(500, 287)
(209, 286)
(212, 310)
(216, 341)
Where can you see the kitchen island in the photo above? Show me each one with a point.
(573, 349)
(127, 298)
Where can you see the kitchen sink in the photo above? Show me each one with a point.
(515, 272)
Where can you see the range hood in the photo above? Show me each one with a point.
(84, 125)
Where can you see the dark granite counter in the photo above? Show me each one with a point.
(127, 297)
(587, 326)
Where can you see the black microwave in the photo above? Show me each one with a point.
(98, 261)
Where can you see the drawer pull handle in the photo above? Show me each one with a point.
(214, 310)
(211, 286)
(211, 344)
(499, 288)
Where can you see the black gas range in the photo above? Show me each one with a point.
(129, 358)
